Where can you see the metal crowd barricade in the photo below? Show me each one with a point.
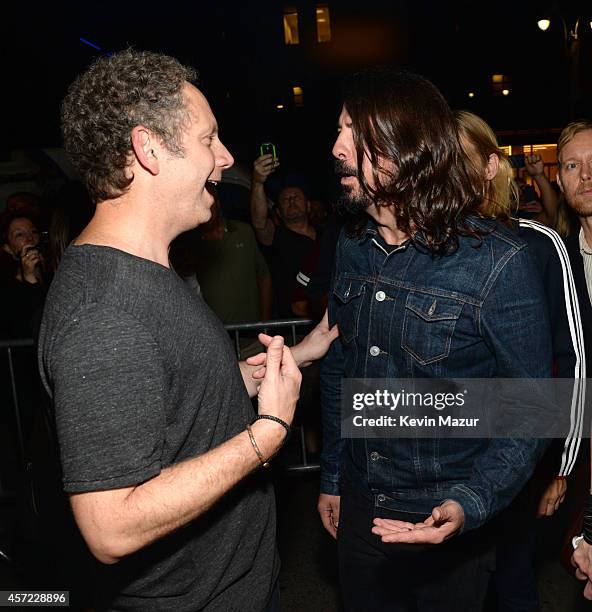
(271, 327)
(7, 347)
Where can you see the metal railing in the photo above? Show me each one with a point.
(14, 410)
(5, 495)
(235, 330)
(271, 326)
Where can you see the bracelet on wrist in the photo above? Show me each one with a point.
(264, 463)
(271, 417)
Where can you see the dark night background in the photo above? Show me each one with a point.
(246, 69)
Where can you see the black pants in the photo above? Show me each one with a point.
(447, 577)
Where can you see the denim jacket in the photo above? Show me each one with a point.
(476, 313)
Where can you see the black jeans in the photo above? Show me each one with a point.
(448, 577)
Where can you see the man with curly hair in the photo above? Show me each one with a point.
(159, 444)
(423, 287)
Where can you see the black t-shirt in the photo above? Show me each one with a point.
(286, 256)
(143, 376)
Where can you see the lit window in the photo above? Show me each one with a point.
(291, 26)
(323, 23)
(501, 84)
(298, 96)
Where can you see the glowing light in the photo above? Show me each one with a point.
(471, 94)
(279, 106)
(505, 92)
(543, 24)
(90, 44)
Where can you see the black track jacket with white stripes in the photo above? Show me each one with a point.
(566, 324)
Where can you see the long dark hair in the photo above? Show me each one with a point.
(402, 119)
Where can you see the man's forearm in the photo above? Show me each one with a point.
(258, 206)
(119, 522)
(549, 200)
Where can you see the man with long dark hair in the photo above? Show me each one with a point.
(423, 287)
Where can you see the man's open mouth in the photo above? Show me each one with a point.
(212, 186)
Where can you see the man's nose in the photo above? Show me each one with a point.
(339, 150)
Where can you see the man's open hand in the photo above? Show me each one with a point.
(309, 349)
(445, 521)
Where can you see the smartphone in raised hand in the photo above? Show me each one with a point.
(268, 148)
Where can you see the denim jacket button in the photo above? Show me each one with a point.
(381, 497)
(374, 456)
(380, 295)
(374, 351)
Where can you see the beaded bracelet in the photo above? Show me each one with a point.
(277, 420)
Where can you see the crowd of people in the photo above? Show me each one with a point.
(437, 261)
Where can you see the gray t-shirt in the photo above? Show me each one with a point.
(143, 376)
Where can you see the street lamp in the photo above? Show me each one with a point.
(571, 42)
(544, 24)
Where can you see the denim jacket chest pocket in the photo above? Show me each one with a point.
(349, 293)
(428, 326)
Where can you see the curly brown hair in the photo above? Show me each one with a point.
(402, 118)
(106, 102)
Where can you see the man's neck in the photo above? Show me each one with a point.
(586, 223)
(124, 225)
(301, 227)
(387, 224)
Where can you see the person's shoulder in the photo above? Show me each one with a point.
(240, 227)
(493, 232)
(572, 241)
(538, 234)
(92, 274)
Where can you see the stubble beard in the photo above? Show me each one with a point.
(582, 206)
(353, 203)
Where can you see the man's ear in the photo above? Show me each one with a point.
(145, 148)
(492, 167)
(558, 178)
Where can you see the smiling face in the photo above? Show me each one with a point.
(189, 179)
(575, 173)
